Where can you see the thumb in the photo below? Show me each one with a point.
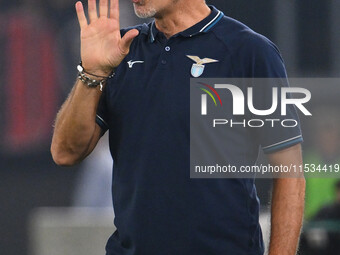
(127, 40)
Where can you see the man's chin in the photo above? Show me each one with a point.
(142, 13)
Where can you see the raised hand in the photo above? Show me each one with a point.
(102, 47)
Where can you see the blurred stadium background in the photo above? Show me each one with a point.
(44, 209)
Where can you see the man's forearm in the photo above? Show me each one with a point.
(286, 215)
(102, 50)
(75, 127)
(287, 203)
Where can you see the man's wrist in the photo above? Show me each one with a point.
(92, 80)
(97, 72)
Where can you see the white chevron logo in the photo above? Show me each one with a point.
(131, 63)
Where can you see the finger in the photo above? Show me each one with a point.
(103, 8)
(81, 15)
(92, 10)
(127, 40)
(114, 9)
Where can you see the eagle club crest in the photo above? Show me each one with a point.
(198, 68)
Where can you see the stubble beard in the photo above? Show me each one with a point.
(143, 11)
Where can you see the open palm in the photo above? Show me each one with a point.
(102, 47)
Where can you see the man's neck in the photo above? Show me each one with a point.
(181, 17)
